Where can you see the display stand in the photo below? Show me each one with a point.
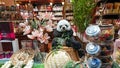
(15, 44)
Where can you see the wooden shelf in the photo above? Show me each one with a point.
(108, 1)
(109, 16)
(58, 15)
(12, 20)
(69, 11)
(9, 11)
(57, 10)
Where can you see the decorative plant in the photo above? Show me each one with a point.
(82, 13)
(39, 27)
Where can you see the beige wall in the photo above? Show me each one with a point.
(8, 2)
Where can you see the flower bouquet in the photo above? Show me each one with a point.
(39, 29)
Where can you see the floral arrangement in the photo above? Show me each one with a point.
(39, 27)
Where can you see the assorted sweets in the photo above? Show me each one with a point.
(100, 46)
(100, 33)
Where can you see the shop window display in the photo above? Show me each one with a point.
(37, 22)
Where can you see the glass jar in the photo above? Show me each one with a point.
(107, 33)
(93, 32)
(107, 49)
(92, 48)
(93, 62)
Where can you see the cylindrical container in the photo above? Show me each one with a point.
(93, 62)
(107, 33)
(107, 49)
(92, 48)
(92, 32)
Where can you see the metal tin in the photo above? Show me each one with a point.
(93, 30)
(94, 62)
(92, 48)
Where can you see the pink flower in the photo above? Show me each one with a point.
(30, 36)
(27, 30)
(49, 28)
(50, 23)
(22, 24)
(35, 34)
(41, 28)
(44, 38)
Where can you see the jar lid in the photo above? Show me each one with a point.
(92, 48)
(92, 30)
(93, 62)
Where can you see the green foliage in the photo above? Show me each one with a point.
(82, 13)
(60, 41)
(71, 64)
(34, 24)
(1, 64)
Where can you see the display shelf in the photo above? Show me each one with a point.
(106, 1)
(12, 21)
(15, 44)
(109, 9)
(68, 12)
(8, 11)
(57, 10)
(58, 15)
(109, 16)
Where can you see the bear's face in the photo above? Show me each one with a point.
(63, 25)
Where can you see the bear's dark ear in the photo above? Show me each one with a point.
(56, 33)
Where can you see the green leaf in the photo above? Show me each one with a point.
(82, 13)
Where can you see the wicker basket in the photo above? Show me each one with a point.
(73, 53)
(57, 60)
(22, 55)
